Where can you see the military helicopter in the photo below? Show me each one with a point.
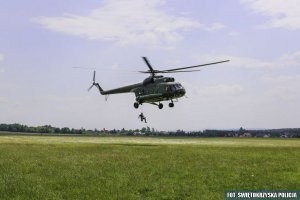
(154, 89)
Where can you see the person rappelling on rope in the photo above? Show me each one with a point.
(143, 118)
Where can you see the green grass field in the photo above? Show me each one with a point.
(57, 167)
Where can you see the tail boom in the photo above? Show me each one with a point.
(100, 89)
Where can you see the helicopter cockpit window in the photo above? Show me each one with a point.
(169, 80)
(178, 86)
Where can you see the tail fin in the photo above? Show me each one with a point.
(100, 89)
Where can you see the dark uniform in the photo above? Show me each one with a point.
(142, 117)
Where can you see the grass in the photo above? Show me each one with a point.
(46, 167)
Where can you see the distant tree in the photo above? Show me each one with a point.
(56, 130)
(65, 130)
(114, 131)
(3, 127)
(241, 130)
(148, 130)
(143, 130)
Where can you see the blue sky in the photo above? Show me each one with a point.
(41, 42)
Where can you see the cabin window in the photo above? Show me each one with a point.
(178, 86)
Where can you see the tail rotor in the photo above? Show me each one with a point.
(94, 84)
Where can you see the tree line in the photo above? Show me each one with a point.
(241, 132)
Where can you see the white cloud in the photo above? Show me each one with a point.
(284, 61)
(281, 14)
(234, 33)
(3, 100)
(127, 22)
(282, 79)
(220, 89)
(1, 59)
(246, 62)
(284, 87)
(214, 90)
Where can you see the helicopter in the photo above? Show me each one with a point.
(155, 88)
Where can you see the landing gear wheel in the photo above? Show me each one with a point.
(160, 105)
(171, 105)
(136, 105)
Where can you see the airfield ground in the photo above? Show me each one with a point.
(59, 167)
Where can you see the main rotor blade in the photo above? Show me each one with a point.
(178, 71)
(162, 72)
(148, 64)
(175, 69)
